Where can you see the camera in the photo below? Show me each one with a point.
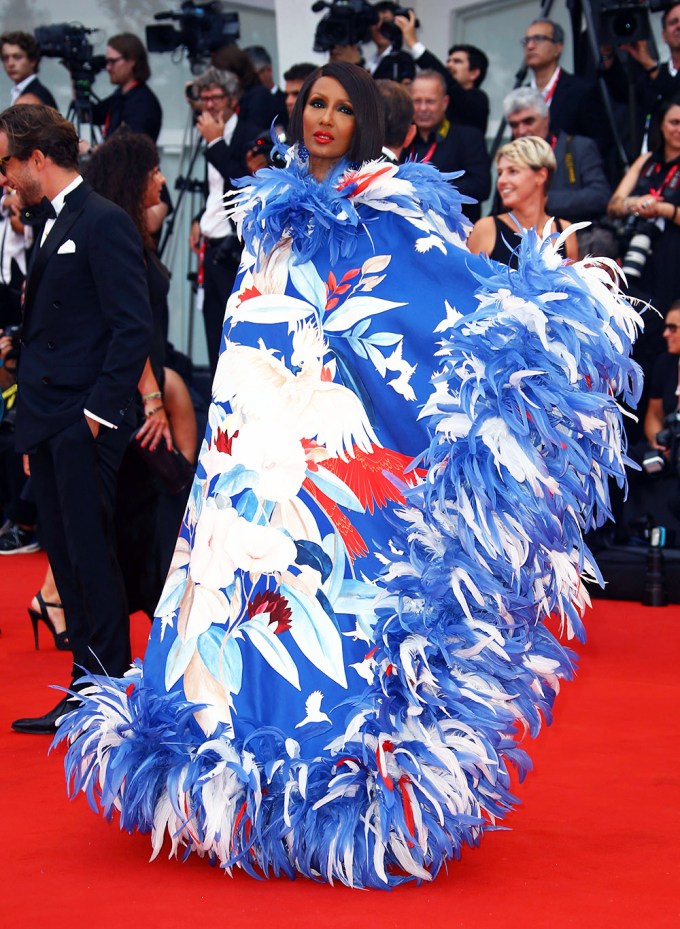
(624, 23)
(70, 43)
(203, 28)
(642, 233)
(347, 22)
(392, 32)
(14, 334)
(653, 461)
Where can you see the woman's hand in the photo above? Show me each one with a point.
(646, 206)
(156, 427)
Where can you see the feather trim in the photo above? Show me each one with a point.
(289, 202)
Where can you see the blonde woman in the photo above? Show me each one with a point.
(525, 167)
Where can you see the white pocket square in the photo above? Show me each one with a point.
(67, 247)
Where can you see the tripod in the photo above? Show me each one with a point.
(80, 109)
(185, 184)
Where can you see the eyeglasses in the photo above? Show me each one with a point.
(538, 39)
(110, 62)
(213, 98)
(3, 162)
(671, 327)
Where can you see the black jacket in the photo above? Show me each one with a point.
(39, 90)
(138, 110)
(458, 148)
(87, 322)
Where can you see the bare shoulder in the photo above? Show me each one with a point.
(483, 236)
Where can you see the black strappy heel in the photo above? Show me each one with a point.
(60, 638)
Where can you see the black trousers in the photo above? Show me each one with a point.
(74, 484)
(219, 274)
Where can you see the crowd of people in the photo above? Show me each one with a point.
(556, 168)
(327, 618)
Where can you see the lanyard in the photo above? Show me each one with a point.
(549, 91)
(667, 181)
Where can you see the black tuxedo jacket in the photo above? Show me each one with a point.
(87, 323)
(230, 160)
(39, 90)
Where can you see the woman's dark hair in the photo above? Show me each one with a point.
(132, 49)
(119, 170)
(31, 127)
(656, 140)
(364, 96)
(234, 59)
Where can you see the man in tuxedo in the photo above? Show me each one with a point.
(227, 138)
(21, 60)
(86, 335)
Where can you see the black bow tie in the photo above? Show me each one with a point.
(38, 214)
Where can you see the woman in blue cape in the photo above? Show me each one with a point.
(404, 446)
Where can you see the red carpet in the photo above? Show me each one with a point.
(594, 843)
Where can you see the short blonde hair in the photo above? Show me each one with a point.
(529, 152)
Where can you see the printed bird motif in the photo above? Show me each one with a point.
(313, 710)
(259, 385)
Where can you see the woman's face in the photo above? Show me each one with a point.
(671, 332)
(328, 125)
(154, 183)
(670, 128)
(516, 183)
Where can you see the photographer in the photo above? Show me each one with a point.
(663, 393)
(648, 198)
(464, 73)
(133, 105)
(390, 62)
(213, 237)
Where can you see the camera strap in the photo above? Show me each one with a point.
(670, 181)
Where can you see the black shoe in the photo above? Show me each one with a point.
(18, 541)
(47, 724)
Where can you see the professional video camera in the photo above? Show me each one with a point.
(347, 22)
(69, 42)
(628, 22)
(203, 28)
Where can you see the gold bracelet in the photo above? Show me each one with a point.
(155, 410)
(156, 395)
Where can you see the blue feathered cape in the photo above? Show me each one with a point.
(465, 553)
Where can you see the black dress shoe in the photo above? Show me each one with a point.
(47, 724)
